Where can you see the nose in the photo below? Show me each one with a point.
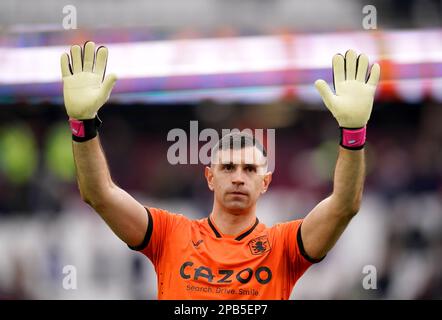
(237, 176)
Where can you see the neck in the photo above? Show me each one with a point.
(232, 223)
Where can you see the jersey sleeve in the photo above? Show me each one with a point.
(298, 259)
(161, 225)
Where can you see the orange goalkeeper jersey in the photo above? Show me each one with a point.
(194, 260)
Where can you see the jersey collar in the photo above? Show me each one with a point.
(241, 236)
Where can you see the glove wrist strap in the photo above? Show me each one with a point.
(84, 130)
(353, 138)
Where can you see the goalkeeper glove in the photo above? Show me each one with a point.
(353, 101)
(85, 89)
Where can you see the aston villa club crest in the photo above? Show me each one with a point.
(259, 245)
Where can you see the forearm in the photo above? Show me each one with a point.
(349, 180)
(93, 176)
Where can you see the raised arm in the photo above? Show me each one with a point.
(351, 106)
(85, 90)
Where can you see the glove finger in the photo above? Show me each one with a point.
(106, 88)
(77, 65)
(350, 65)
(325, 92)
(109, 83)
(88, 56)
(362, 66)
(375, 73)
(101, 61)
(65, 66)
(338, 70)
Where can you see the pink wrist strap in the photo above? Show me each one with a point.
(353, 139)
(77, 127)
(84, 130)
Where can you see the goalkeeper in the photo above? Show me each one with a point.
(229, 254)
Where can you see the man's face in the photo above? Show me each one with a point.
(238, 177)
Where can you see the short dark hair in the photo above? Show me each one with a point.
(238, 140)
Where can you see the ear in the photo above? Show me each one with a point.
(266, 182)
(209, 177)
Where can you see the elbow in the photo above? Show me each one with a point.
(347, 207)
(357, 204)
(348, 211)
(87, 199)
(94, 203)
(83, 195)
(354, 209)
(95, 200)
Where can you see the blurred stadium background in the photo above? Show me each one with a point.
(227, 64)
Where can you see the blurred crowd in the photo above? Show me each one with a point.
(44, 225)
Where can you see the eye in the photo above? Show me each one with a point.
(250, 168)
(227, 167)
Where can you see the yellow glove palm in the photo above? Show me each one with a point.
(353, 101)
(85, 89)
